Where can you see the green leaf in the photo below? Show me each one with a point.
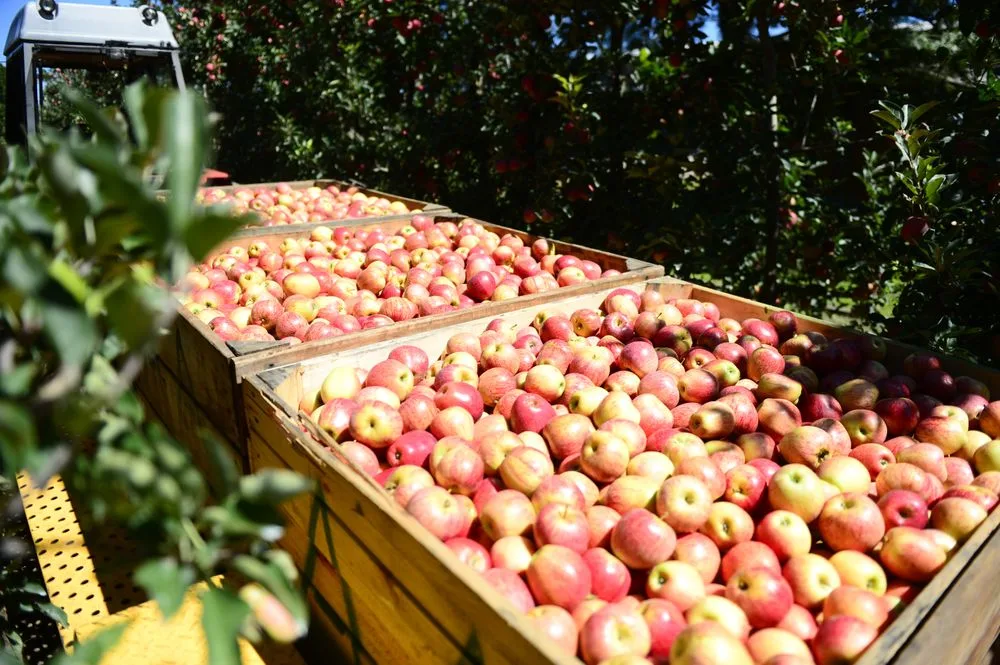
(917, 113)
(73, 334)
(186, 136)
(226, 474)
(932, 190)
(166, 582)
(223, 616)
(18, 436)
(209, 229)
(53, 612)
(92, 650)
(70, 280)
(272, 486)
(103, 128)
(133, 101)
(887, 118)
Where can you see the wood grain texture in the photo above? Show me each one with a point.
(183, 417)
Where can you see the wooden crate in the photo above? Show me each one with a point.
(194, 382)
(378, 557)
(415, 205)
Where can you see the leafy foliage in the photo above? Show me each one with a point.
(750, 162)
(86, 247)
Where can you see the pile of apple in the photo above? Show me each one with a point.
(340, 280)
(653, 482)
(285, 205)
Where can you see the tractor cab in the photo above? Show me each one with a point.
(97, 49)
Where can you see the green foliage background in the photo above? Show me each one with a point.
(750, 164)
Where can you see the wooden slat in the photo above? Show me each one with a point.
(460, 601)
(163, 393)
(203, 366)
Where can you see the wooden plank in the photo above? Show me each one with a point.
(258, 362)
(203, 366)
(384, 618)
(183, 418)
(462, 603)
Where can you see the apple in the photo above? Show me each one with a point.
(614, 631)
(708, 642)
(510, 585)
(641, 539)
(676, 581)
(512, 552)
(874, 456)
(610, 578)
(559, 576)
(456, 467)
(756, 445)
(902, 476)
(900, 414)
(810, 446)
(665, 621)
(796, 488)
(559, 524)
(816, 406)
(842, 639)
(714, 420)
(604, 457)
(376, 425)
(334, 418)
(698, 550)
(530, 413)
(437, 511)
(900, 507)
(958, 517)
(846, 473)
(987, 457)
(859, 570)
(856, 602)
(763, 595)
(602, 521)
(558, 489)
(728, 525)
(722, 611)
(984, 497)
(779, 386)
(507, 513)
(812, 579)
(946, 433)
(769, 645)
(628, 492)
(778, 417)
(471, 553)
(662, 386)
(697, 385)
(911, 554)
(746, 555)
(745, 486)
(786, 533)
(864, 426)
(764, 360)
(524, 468)
(851, 521)
(650, 464)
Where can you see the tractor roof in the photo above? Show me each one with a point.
(89, 25)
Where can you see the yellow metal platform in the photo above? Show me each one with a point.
(89, 576)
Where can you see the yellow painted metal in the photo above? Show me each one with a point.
(67, 567)
(89, 576)
(180, 641)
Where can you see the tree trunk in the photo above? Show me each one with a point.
(771, 165)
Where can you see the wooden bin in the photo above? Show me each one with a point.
(415, 205)
(193, 383)
(406, 597)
